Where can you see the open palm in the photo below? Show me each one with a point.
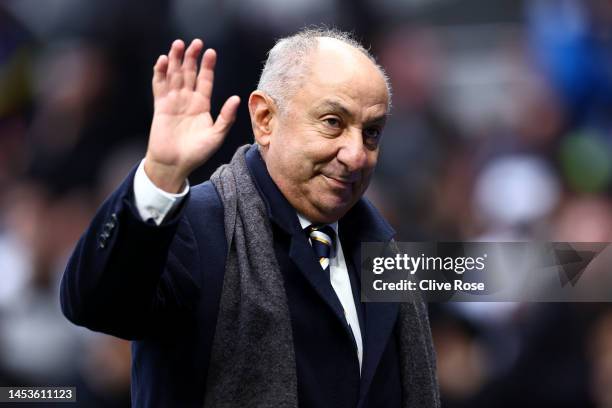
(183, 133)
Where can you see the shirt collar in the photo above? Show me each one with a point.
(305, 223)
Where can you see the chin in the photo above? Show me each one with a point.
(332, 213)
(327, 207)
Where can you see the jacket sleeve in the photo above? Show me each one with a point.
(126, 276)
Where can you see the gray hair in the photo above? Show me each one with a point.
(286, 65)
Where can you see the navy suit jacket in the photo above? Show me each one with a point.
(160, 286)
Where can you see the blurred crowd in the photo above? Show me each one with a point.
(501, 130)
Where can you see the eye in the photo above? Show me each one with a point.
(372, 133)
(332, 122)
(372, 136)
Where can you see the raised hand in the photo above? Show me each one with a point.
(183, 133)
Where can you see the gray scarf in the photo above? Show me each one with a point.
(252, 362)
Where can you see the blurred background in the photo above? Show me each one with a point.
(501, 130)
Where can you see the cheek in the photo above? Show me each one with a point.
(300, 155)
(371, 162)
(291, 163)
(368, 171)
(373, 157)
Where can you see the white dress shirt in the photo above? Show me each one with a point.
(157, 204)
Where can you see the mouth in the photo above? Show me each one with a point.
(339, 183)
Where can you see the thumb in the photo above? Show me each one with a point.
(227, 116)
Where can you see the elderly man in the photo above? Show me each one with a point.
(244, 291)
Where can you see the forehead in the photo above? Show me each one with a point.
(338, 71)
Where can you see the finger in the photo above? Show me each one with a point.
(175, 58)
(207, 75)
(159, 74)
(190, 63)
(227, 116)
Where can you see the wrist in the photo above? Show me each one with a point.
(165, 177)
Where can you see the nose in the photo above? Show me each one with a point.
(353, 152)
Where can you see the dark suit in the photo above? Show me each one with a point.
(160, 286)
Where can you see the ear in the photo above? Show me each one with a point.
(263, 113)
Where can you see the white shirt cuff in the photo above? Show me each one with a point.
(151, 201)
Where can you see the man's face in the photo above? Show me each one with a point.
(324, 145)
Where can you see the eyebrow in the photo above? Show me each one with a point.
(379, 120)
(337, 106)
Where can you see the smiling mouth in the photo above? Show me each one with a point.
(339, 183)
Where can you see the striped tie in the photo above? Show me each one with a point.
(322, 241)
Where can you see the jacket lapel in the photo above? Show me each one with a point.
(380, 320)
(364, 224)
